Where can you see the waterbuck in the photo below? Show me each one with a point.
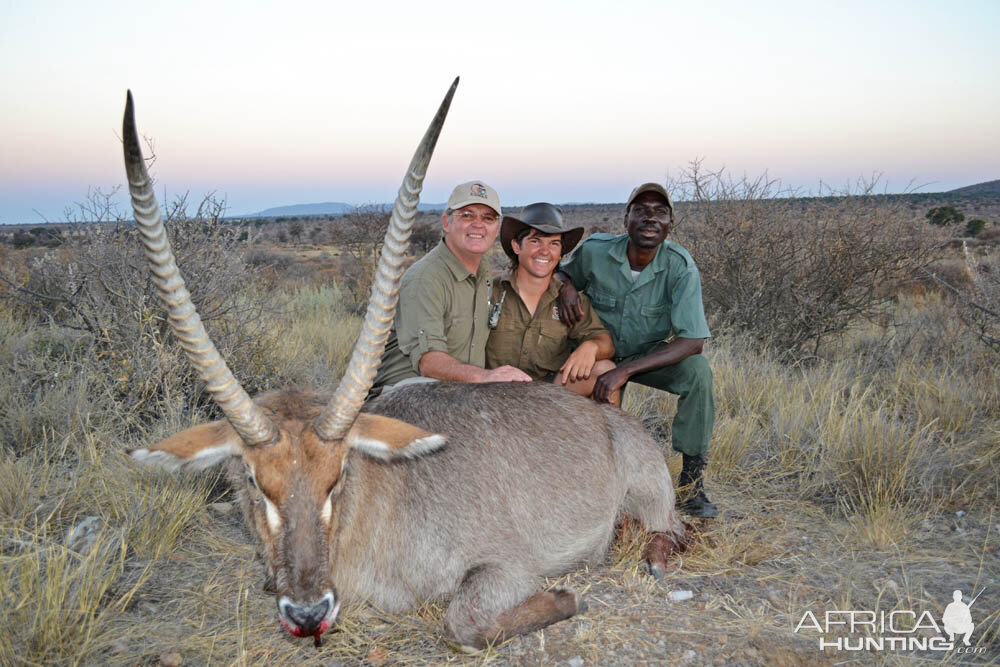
(435, 489)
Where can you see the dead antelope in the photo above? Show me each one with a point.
(353, 501)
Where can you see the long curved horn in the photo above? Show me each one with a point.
(337, 417)
(246, 417)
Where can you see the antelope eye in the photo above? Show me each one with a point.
(252, 481)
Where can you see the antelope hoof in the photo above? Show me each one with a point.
(663, 546)
(568, 602)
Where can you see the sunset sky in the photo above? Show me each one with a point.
(271, 104)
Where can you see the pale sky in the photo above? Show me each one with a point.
(304, 102)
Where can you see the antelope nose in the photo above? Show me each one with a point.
(308, 618)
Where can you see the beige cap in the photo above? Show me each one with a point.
(651, 187)
(474, 192)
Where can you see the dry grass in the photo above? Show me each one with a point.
(317, 337)
(839, 482)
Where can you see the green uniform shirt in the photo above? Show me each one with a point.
(443, 307)
(663, 301)
(538, 344)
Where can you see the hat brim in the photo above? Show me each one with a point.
(511, 227)
(462, 203)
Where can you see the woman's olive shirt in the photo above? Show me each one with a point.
(538, 344)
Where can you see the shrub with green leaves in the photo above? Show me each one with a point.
(974, 226)
(943, 216)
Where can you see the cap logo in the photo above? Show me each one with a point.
(478, 190)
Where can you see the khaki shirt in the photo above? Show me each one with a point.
(443, 307)
(538, 344)
(663, 301)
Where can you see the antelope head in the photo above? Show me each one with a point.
(287, 451)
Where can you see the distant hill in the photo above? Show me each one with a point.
(323, 208)
(987, 189)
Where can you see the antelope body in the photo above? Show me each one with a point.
(474, 491)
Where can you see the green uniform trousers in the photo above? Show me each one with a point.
(691, 381)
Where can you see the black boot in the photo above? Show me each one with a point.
(695, 501)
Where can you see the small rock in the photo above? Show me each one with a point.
(222, 509)
(377, 656)
(171, 659)
(576, 661)
(680, 596)
(960, 513)
(83, 535)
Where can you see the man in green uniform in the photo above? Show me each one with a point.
(647, 291)
(526, 330)
(440, 328)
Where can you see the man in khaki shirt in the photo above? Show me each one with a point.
(526, 330)
(440, 328)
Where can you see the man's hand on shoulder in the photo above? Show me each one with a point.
(568, 301)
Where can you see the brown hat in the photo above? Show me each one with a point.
(651, 187)
(547, 219)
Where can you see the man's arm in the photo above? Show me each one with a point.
(672, 353)
(582, 360)
(421, 335)
(443, 366)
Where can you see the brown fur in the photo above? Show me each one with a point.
(539, 611)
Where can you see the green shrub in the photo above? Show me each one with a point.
(974, 226)
(944, 215)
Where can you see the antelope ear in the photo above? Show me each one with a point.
(197, 448)
(387, 439)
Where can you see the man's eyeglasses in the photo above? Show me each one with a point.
(470, 217)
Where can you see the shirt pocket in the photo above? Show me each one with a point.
(602, 301)
(656, 322)
(458, 332)
(553, 345)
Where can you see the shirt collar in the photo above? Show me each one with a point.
(454, 264)
(619, 251)
(551, 292)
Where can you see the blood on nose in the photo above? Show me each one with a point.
(308, 619)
